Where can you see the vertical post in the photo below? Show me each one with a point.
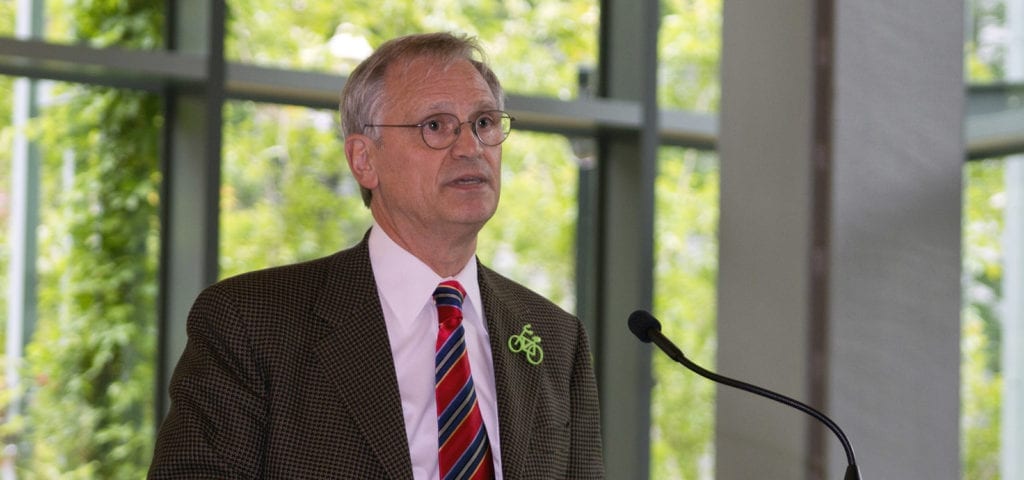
(587, 260)
(191, 180)
(765, 233)
(626, 169)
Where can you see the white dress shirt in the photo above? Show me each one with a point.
(406, 287)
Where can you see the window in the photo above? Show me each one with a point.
(981, 370)
(686, 266)
(531, 237)
(991, 310)
(536, 48)
(80, 352)
(287, 194)
(81, 334)
(686, 246)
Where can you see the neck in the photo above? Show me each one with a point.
(446, 253)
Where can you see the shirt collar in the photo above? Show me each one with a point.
(405, 282)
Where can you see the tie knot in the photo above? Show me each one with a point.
(449, 293)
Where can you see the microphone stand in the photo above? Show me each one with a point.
(648, 329)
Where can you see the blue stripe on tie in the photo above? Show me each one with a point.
(471, 458)
(448, 296)
(448, 354)
(456, 411)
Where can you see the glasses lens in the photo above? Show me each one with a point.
(492, 127)
(440, 131)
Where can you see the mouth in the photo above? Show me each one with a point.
(469, 180)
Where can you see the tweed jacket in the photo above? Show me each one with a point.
(287, 373)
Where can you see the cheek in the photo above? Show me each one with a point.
(412, 178)
(496, 165)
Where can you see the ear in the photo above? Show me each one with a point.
(358, 150)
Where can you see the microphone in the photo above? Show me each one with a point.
(648, 329)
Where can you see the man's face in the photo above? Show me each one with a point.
(420, 187)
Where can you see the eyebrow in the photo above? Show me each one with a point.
(446, 107)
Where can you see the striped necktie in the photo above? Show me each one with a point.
(463, 450)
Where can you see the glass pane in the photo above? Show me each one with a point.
(7, 18)
(6, 188)
(531, 238)
(108, 23)
(535, 48)
(984, 196)
(686, 245)
(288, 195)
(987, 323)
(686, 271)
(689, 43)
(78, 399)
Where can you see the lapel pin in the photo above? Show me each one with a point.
(528, 343)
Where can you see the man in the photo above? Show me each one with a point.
(401, 357)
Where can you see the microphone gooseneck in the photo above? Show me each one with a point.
(648, 330)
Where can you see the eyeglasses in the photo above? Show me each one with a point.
(441, 130)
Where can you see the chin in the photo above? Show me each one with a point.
(476, 216)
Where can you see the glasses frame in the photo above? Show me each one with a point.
(458, 128)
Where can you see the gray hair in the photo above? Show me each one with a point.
(362, 99)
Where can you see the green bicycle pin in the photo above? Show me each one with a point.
(528, 343)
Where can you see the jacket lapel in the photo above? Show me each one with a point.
(356, 356)
(517, 381)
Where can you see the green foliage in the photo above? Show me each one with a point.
(6, 137)
(689, 44)
(532, 236)
(981, 372)
(88, 369)
(287, 194)
(535, 47)
(124, 23)
(981, 398)
(90, 361)
(980, 338)
(984, 58)
(686, 268)
(7, 393)
(686, 245)
(7, 17)
(104, 23)
(89, 364)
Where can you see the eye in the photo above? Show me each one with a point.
(442, 123)
(485, 121)
(432, 124)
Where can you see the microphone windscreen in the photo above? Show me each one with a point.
(641, 322)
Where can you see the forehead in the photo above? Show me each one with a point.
(430, 84)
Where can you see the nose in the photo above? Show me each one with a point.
(466, 144)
